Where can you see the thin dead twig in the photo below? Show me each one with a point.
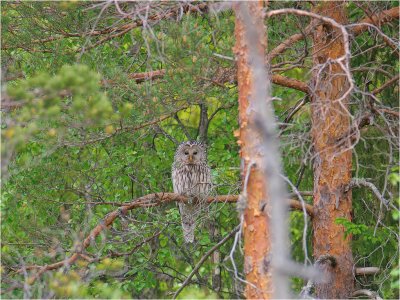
(203, 259)
(358, 182)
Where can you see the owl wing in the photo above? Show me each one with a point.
(175, 181)
(205, 181)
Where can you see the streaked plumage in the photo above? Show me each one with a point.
(191, 177)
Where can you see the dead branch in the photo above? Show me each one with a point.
(379, 18)
(385, 85)
(125, 129)
(118, 254)
(159, 130)
(367, 271)
(203, 259)
(358, 182)
(367, 119)
(390, 112)
(290, 83)
(368, 293)
(152, 75)
(289, 42)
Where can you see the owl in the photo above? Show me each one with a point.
(191, 177)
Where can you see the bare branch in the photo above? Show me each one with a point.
(118, 254)
(367, 271)
(289, 42)
(152, 75)
(290, 83)
(368, 293)
(125, 129)
(358, 182)
(159, 130)
(379, 18)
(385, 85)
(203, 259)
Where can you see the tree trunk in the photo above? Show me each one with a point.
(332, 164)
(255, 226)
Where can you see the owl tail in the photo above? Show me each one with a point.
(188, 216)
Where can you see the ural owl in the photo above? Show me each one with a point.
(191, 177)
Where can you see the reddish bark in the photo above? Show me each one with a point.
(378, 19)
(140, 77)
(290, 83)
(255, 227)
(332, 165)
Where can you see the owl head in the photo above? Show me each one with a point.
(191, 153)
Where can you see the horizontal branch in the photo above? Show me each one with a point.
(366, 293)
(367, 271)
(379, 18)
(149, 200)
(276, 78)
(140, 77)
(290, 83)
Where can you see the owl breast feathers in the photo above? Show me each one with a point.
(191, 177)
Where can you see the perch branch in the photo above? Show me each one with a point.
(149, 200)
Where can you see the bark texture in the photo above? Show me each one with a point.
(332, 164)
(255, 227)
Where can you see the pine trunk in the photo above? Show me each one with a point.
(332, 164)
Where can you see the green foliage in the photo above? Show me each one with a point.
(81, 140)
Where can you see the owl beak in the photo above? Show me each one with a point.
(190, 158)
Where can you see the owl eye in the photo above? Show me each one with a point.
(195, 152)
(186, 152)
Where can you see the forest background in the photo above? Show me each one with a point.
(95, 98)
